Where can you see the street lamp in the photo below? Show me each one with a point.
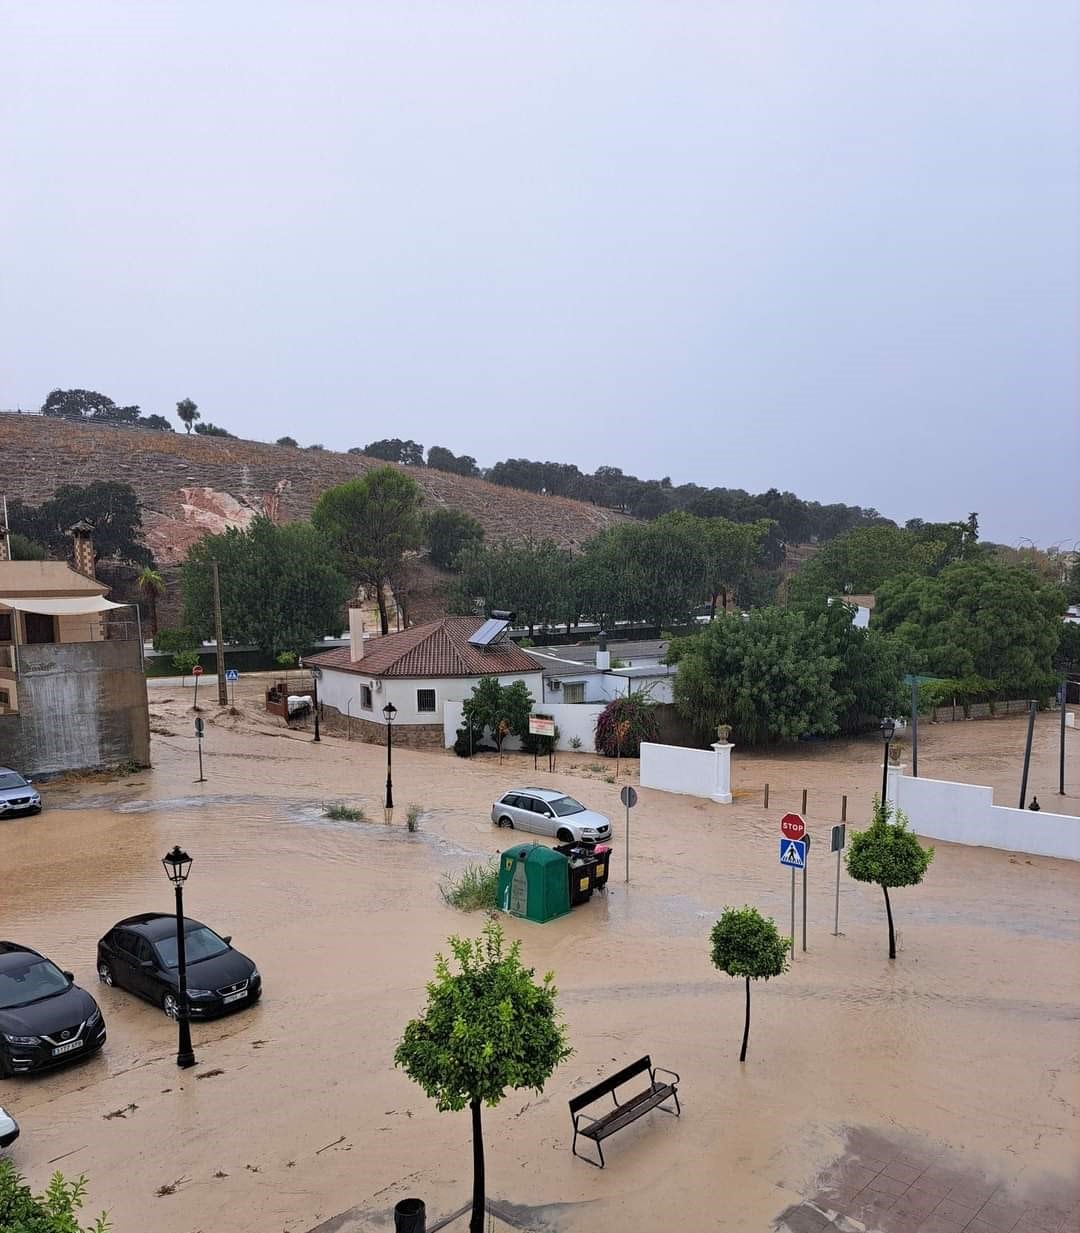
(315, 675)
(177, 867)
(888, 731)
(389, 711)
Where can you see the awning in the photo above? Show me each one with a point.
(61, 607)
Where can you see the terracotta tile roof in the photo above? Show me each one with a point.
(437, 649)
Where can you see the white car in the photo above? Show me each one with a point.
(550, 813)
(9, 1129)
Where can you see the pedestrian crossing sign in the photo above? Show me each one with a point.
(793, 853)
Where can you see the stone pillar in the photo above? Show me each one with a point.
(892, 786)
(721, 792)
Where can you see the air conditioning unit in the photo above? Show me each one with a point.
(377, 686)
(556, 685)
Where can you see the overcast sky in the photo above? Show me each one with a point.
(828, 247)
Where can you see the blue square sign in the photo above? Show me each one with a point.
(793, 853)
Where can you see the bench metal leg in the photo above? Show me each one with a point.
(599, 1149)
(677, 1111)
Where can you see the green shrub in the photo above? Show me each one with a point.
(287, 659)
(413, 816)
(344, 813)
(184, 661)
(575, 742)
(169, 641)
(637, 710)
(475, 888)
(55, 1211)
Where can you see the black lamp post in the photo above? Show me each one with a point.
(177, 867)
(389, 711)
(888, 730)
(315, 674)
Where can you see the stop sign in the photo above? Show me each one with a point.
(792, 826)
(197, 670)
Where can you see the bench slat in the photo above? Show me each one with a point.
(627, 1113)
(607, 1086)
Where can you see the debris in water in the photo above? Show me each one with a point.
(120, 1112)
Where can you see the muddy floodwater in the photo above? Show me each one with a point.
(870, 1087)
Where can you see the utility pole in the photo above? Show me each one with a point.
(222, 685)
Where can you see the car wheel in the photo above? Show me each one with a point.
(563, 835)
(506, 822)
(104, 972)
(170, 1004)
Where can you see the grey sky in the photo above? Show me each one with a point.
(830, 247)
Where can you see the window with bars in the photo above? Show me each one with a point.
(425, 700)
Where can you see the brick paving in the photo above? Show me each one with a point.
(882, 1187)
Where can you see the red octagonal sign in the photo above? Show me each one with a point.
(197, 670)
(792, 826)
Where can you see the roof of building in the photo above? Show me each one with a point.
(39, 579)
(436, 649)
(585, 652)
(860, 601)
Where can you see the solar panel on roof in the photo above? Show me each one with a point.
(488, 633)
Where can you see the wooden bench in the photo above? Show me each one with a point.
(625, 1111)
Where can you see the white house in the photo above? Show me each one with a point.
(861, 606)
(576, 674)
(418, 670)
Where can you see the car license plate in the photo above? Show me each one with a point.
(70, 1047)
(234, 997)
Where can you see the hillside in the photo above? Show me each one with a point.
(191, 485)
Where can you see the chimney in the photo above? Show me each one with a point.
(82, 536)
(356, 634)
(5, 547)
(603, 655)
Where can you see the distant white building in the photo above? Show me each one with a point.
(861, 606)
(583, 673)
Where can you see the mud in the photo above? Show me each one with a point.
(963, 1052)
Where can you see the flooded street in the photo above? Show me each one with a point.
(965, 1049)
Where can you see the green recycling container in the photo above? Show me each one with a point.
(534, 882)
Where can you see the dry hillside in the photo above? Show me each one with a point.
(191, 485)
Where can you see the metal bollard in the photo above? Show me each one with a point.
(803, 810)
(410, 1216)
(766, 802)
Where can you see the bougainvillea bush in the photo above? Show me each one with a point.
(638, 711)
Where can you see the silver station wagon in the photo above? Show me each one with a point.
(550, 813)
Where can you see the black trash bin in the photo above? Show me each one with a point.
(582, 871)
(603, 866)
(410, 1216)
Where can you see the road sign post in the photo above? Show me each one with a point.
(806, 861)
(199, 728)
(231, 677)
(629, 798)
(196, 672)
(793, 856)
(839, 839)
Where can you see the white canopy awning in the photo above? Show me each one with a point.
(61, 607)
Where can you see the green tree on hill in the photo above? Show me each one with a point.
(372, 522)
(112, 507)
(87, 405)
(449, 532)
(187, 412)
(393, 449)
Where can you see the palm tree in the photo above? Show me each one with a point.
(188, 412)
(151, 585)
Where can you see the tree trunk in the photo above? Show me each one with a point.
(892, 934)
(381, 597)
(712, 606)
(723, 595)
(476, 1222)
(746, 1025)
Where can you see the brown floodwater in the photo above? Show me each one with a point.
(967, 1045)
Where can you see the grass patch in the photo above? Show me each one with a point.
(475, 889)
(345, 813)
(412, 818)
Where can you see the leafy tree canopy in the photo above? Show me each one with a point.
(976, 620)
(504, 709)
(443, 459)
(624, 723)
(372, 522)
(290, 441)
(211, 430)
(87, 405)
(448, 533)
(887, 854)
(187, 412)
(529, 578)
(111, 506)
(868, 669)
(746, 944)
(768, 676)
(24, 549)
(280, 586)
(393, 449)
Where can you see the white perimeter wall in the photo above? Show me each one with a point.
(966, 813)
(671, 768)
(572, 719)
(342, 690)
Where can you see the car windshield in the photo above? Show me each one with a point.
(8, 779)
(36, 978)
(199, 944)
(566, 805)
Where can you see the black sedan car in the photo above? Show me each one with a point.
(139, 954)
(45, 1018)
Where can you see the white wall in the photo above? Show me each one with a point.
(672, 768)
(572, 719)
(966, 813)
(602, 687)
(342, 690)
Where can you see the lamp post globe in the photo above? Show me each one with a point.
(177, 865)
(888, 731)
(389, 711)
